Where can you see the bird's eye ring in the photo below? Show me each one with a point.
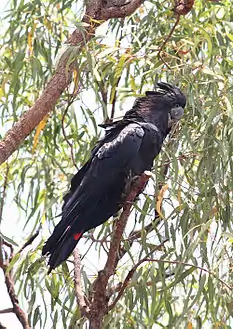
(177, 105)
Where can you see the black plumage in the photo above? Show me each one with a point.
(99, 188)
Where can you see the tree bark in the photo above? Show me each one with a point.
(97, 306)
(9, 281)
(97, 12)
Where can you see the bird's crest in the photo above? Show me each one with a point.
(163, 89)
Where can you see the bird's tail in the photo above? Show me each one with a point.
(60, 245)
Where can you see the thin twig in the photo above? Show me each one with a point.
(104, 96)
(131, 273)
(65, 136)
(190, 265)
(21, 315)
(113, 289)
(2, 326)
(4, 190)
(182, 157)
(145, 259)
(101, 242)
(166, 40)
(30, 240)
(119, 78)
(7, 310)
(103, 92)
(9, 245)
(133, 236)
(114, 100)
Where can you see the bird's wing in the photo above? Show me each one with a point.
(111, 158)
(104, 179)
(75, 182)
(110, 135)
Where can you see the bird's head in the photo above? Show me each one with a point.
(163, 107)
(173, 97)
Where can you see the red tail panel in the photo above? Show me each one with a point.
(77, 236)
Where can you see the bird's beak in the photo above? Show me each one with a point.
(175, 115)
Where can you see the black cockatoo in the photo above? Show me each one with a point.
(98, 190)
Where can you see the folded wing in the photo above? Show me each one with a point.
(96, 190)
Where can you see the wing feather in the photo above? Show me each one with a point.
(111, 159)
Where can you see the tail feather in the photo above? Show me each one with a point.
(62, 252)
(57, 237)
(60, 247)
(60, 231)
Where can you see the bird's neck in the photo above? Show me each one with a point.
(159, 119)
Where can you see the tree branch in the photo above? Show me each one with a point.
(21, 315)
(146, 259)
(84, 308)
(2, 205)
(65, 136)
(96, 13)
(131, 273)
(182, 7)
(166, 40)
(99, 298)
(34, 115)
(29, 240)
(7, 310)
(97, 306)
(2, 326)
(120, 11)
(4, 191)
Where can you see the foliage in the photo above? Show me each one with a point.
(121, 63)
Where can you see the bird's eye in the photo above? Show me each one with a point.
(177, 105)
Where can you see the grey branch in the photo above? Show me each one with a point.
(7, 310)
(84, 308)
